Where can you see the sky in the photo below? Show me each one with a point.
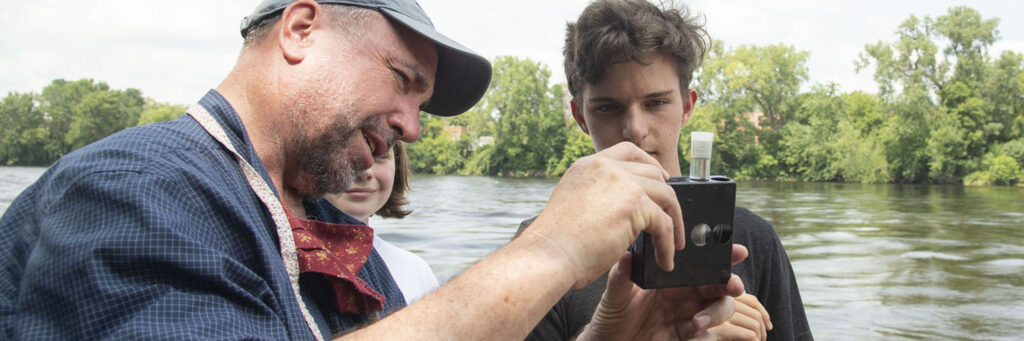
(174, 51)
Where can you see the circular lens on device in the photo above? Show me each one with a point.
(722, 233)
(699, 235)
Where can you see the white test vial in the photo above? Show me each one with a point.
(700, 155)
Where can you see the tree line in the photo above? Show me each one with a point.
(946, 111)
(38, 129)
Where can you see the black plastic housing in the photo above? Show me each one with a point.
(711, 202)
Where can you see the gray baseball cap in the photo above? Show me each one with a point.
(462, 75)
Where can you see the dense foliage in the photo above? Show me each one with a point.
(38, 129)
(945, 111)
(525, 118)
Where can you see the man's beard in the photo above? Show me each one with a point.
(325, 163)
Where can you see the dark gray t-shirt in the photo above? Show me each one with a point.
(766, 274)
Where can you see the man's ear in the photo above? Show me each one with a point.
(688, 103)
(577, 114)
(298, 21)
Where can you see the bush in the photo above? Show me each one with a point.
(1014, 149)
(1004, 170)
(999, 170)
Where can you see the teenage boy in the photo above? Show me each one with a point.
(629, 66)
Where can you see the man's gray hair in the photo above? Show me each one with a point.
(345, 19)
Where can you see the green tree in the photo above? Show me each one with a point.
(522, 114)
(438, 151)
(755, 77)
(909, 65)
(966, 103)
(58, 101)
(479, 162)
(862, 158)
(946, 148)
(749, 92)
(23, 133)
(529, 129)
(1018, 107)
(904, 137)
(153, 111)
(578, 144)
(809, 145)
(1004, 91)
(862, 154)
(969, 37)
(102, 113)
(906, 71)
(971, 94)
(84, 111)
(865, 111)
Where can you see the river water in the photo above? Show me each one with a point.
(894, 262)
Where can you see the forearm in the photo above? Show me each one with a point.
(501, 297)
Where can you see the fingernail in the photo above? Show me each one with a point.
(702, 321)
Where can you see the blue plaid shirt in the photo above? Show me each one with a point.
(154, 233)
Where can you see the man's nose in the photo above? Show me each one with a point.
(635, 125)
(406, 121)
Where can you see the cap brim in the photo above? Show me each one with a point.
(462, 75)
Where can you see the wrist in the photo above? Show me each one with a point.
(551, 253)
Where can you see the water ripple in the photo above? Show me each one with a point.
(903, 262)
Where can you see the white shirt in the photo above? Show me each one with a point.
(412, 274)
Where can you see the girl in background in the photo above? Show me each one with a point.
(381, 190)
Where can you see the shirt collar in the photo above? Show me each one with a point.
(225, 114)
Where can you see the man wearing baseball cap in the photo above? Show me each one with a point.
(214, 226)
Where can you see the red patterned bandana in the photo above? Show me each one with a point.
(337, 251)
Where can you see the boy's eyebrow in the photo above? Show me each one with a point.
(601, 99)
(659, 93)
(655, 94)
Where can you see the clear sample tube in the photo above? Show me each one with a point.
(700, 155)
